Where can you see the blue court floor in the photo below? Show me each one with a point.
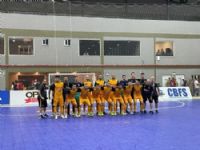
(176, 127)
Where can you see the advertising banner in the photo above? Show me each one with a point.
(4, 97)
(24, 98)
(174, 93)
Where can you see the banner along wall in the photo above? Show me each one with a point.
(24, 98)
(175, 93)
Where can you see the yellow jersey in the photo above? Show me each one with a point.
(100, 82)
(85, 93)
(106, 92)
(71, 94)
(96, 92)
(117, 92)
(137, 90)
(58, 89)
(113, 82)
(88, 84)
(127, 90)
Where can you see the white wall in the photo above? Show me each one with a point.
(54, 54)
(184, 49)
(2, 59)
(86, 24)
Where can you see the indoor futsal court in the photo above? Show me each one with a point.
(99, 74)
(175, 127)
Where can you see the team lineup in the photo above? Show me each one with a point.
(122, 95)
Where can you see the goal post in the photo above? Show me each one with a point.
(72, 77)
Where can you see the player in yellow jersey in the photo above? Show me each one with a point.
(88, 83)
(96, 96)
(106, 96)
(100, 81)
(113, 81)
(70, 99)
(58, 97)
(127, 96)
(117, 98)
(137, 88)
(85, 98)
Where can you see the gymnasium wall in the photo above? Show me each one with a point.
(89, 24)
(184, 35)
(186, 51)
(54, 53)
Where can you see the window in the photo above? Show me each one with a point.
(21, 46)
(89, 47)
(121, 48)
(67, 42)
(1, 45)
(45, 42)
(164, 48)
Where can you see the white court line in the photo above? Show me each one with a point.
(181, 104)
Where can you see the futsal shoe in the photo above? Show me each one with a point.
(101, 114)
(156, 111)
(131, 113)
(114, 113)
(145, 111)
(118, 113)
(90, 114)
(56, 116)
(62, 116)
(151, 112)
(42, 117)
(39, 116)
(123, 114)
(65, 116)
(142, 112)
(78, 115)
(46, 115)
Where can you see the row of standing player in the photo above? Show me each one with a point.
(125, 92)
